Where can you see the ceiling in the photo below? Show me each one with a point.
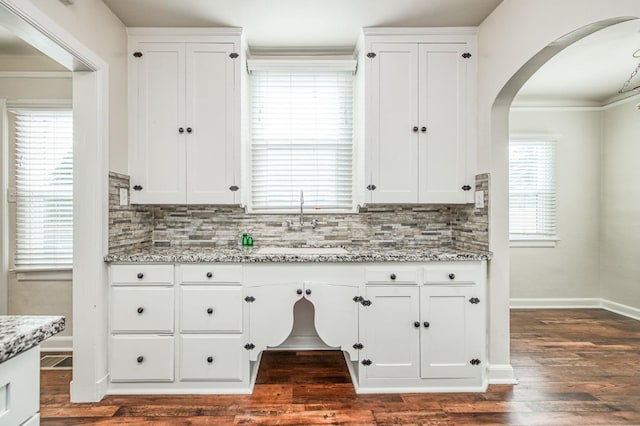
(589, 72)
(301, 23)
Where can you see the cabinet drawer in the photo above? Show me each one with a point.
(142, 359)
(142, 310)
(451, 273)
(212, 358)
(207, 309)
(210, 273)
(391, 275)
(141, 274)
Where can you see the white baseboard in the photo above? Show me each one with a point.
(619, 308)
(594, 303)
(554, 303)
(502, 375)
(57, 344)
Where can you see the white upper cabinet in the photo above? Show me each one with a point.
(184, 126)
(420, 124)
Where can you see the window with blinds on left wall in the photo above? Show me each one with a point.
(43, 189)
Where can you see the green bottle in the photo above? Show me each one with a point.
(245, 240)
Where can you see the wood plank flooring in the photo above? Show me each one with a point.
(576, 367)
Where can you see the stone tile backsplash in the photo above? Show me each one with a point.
(375, 226)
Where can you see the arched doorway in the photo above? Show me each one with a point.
(514, 42)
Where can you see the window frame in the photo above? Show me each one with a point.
(536, 240)
(291, 64)
(53, 272)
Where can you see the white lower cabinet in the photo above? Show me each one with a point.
(20, 389)
(429, 336)
(186, 337)
(332, 290)
(404, 327)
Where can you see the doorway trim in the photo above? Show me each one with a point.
(90, 187)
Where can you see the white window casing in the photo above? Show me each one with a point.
(532, 190)
(43, 189)
(301, 117)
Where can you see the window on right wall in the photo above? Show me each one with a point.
(532, 191)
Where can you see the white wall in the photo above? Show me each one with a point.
(571, 269)
(620, 248)
(513, 42)
(93, 23)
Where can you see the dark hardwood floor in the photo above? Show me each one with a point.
(576, 367)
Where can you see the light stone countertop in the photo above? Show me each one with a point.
(224, 255)
(20, 333)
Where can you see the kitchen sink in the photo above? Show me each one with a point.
(301, 250)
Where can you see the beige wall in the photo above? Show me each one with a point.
(620, 248)
(571, 268)
(28, 297)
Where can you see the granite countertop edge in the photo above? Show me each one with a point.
(19, 333)
(176, 255)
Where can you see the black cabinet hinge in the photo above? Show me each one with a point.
(234, 188)
(358, 299)
(366, 302)
(137, 54)
(371, 187)
(249, 346)
(358, 346)
(366, 362)
(137, 187)
(475, 361)
(466, 188)
(371, 55)
(249, 299)
(233, 55)
(474, 300)
(466, 55)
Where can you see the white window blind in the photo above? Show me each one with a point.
(532, 189)
(302, 127)
(44, 188)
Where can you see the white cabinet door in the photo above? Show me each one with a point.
(336, 314)
(210, 120)
(419, 122)
(389, 335)
(443, 111)
(392, 114)
(157, 112)
(184, 126)
(271, 314)
(454, 334)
